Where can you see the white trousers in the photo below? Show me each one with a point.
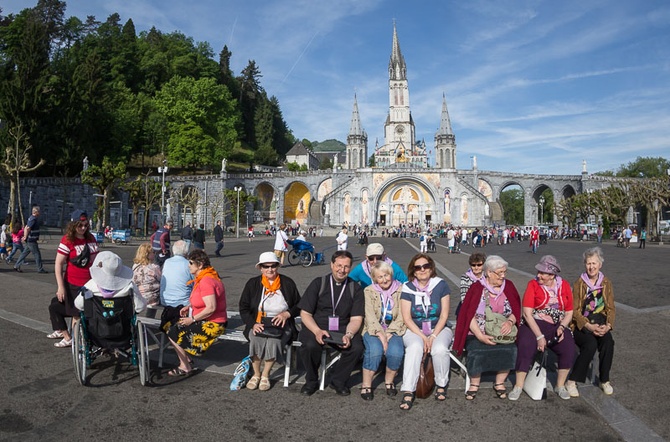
(414, 352)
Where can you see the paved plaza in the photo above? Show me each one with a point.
(43, 400)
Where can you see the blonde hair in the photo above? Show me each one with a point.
(142, 254)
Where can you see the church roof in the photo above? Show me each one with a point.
(299, 149)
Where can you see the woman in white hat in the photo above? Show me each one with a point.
(547, 313)
(268, 307)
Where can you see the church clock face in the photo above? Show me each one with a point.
(400, 129)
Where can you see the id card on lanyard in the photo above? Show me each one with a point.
(426, 326)
(334, 320)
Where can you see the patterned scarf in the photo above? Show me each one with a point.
(599, 282)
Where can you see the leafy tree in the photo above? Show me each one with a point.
(144, 192)
(104, 178)
(646, 167)
(511, 201)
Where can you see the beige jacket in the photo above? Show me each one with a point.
(373, 308)
(579, 290)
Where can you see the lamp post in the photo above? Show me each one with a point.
(541, 208)
(163, 170)
(237, 224)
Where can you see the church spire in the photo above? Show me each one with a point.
(445, 121)
(397, 67)
(355, 128)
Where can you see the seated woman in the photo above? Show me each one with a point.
(592, 322)
(424, 304)
(547, 313)
(196, 330)
(485, 352)
(147, 274)
(474, 274)
(268, 301)
(383, 328)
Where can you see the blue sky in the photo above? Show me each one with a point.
(532, 86)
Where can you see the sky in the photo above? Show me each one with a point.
(532, 86)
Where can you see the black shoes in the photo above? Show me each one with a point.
(42, 271)
(341, 391)
(308, 390)
(18, 270)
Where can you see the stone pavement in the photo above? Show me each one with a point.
(44, 401)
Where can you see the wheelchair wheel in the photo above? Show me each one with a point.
(143, 354)
(306, 258)
(293, 257)
(79, 352)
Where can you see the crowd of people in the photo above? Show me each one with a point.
(373, 311)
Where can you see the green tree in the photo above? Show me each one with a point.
(645, 167)
(144, 192)
(104, 179)
(511, 201)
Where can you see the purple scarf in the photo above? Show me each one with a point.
(470, 274)
(387, 295)
(499, 291)
(366, 266)
(593, 287)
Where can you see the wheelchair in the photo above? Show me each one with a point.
(109, 326)
(302, 253)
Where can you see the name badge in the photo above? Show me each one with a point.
(426, 327)
(334, 323)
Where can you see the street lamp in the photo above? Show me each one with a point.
(237, 224)
(541, 208)
(163, 170)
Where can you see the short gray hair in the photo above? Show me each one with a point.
(493, 263)
(381, 267)
(594, 251)
(180, 248)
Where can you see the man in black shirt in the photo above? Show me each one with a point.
(218, 238)
(331, 306)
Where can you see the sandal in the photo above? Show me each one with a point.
(181, 372)
(265, 384)
(502, 394)
(64, 343)
(407, 401)
(390, 389)
(366, 393)
(440, 394)
(472, 394)
(253, 382)
(56, 335)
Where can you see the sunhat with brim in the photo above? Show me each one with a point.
(109, 273)
(548, 264)
(266, 258)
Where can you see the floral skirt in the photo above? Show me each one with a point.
(196, 338)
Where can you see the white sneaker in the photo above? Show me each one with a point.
(562, 392)
(607, 388)
(515, 394)
(572, 389)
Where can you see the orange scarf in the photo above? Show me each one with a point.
(207, 272)
(271, 288)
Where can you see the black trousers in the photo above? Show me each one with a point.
(310, 354)
(588, 343)
(58, 311)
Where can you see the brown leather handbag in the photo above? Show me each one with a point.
(426, 383)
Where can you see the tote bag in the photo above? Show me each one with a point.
(535, 385)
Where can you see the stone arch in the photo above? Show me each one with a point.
(505, 186)
(265, 201)
(297, 199)
(404, 200)
(567, 191)
(324, 188)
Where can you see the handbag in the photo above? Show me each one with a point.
(270, 330)
(426, 383)
(494, 322)
(535, 384)
(241, 374)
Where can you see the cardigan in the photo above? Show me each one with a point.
(580, 290)
(373, 308)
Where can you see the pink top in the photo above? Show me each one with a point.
(208, 286)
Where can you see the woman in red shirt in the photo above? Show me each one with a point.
(74, 257)
(202, 322)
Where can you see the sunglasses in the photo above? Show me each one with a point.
(269, 266)
(193, 263)
(425, 266)
(375, 258)
(477, 265)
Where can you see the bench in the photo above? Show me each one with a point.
(235, 332)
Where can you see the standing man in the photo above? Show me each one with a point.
(199, 237)
(218, 238)
(160, 243)
(31, 234)
(332, 311)
(643, 239)
(627, 235)
(373, 254)
(187, 235)
(280, 247)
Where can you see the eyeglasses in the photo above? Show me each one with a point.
(500, 273)
(342, 267)
(269, 266)
(425, 266)
(477, 265)
(375, 258)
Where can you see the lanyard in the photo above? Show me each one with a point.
(385, 309)
(332, 294)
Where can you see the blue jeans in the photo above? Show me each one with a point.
(31, 247)
(374, 351)
(219, 246)
(17, 247)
